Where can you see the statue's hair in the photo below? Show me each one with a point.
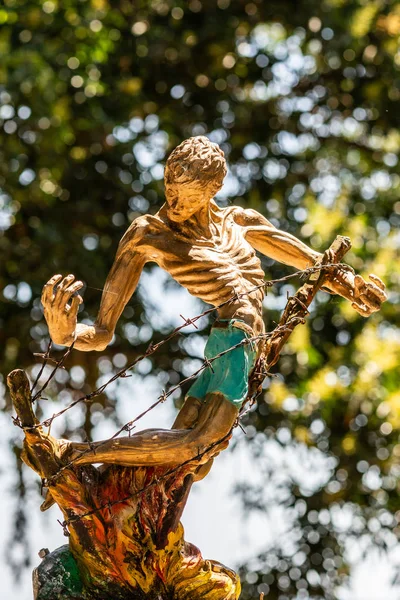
(197, 161)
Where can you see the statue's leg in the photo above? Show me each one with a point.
(207, 417)
(189, 414)
(156, 447)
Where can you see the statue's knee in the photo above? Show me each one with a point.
(217, 425)
(188, 415)
(201, 439)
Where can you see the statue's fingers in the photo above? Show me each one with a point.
(71, 290)
(59, 299)
(378, 281)
(223, 445)
(66, 282)
(53, 280)
(377, 289)
(362, 310)
(74, 304)
(203, 470)
(372, 295)
(370, 301)
(359, 285)
(48, 288)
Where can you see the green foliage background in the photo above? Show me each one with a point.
(303, 98)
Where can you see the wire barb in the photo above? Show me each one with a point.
(208, 365)
(16, 421)
(46, 358)
(64, 525)
(189, 321)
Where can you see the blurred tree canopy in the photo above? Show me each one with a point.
(303, 98)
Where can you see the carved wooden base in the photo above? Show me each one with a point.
(136, 549)
(125, 537)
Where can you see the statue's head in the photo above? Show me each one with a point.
(194, 173)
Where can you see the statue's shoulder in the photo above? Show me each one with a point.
(243, 216)
(227, 213)
(141, 230)
(142, 227)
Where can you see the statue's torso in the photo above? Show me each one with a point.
(214, 269)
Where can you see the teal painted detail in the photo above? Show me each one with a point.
(231, 371)
(58, 578)
(73, 580)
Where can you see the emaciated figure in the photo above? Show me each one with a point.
(210, 251)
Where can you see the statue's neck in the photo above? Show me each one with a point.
(201, 225)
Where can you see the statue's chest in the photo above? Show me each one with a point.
(228, 248)
(227, 244)
(219, 253)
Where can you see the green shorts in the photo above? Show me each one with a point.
(228, 374)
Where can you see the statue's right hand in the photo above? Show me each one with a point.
(61, 307)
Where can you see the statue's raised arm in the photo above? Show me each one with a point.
(365, 297)
(61, 301)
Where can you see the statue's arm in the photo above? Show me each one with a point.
(61, 301)
(366, 297)
(274, 243)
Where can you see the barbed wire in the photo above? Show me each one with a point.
(46, 358)
(152, 348)
(93, 448)
(207, 363)
(59, 365)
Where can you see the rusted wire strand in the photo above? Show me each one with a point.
(54, 371)
(45, 357)
(280, 330)
(152, 348)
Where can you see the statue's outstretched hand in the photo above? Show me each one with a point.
(61, 307)
(368, 295)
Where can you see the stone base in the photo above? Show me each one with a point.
(57, 577)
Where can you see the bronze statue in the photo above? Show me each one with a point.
(211, 251)
(124, 517)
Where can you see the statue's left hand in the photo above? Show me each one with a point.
(368, 295)
(61, 307)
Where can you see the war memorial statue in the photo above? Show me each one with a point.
(126, 540)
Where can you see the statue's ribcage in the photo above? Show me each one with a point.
(215, 272)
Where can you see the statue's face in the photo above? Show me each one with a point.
(184, 200)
